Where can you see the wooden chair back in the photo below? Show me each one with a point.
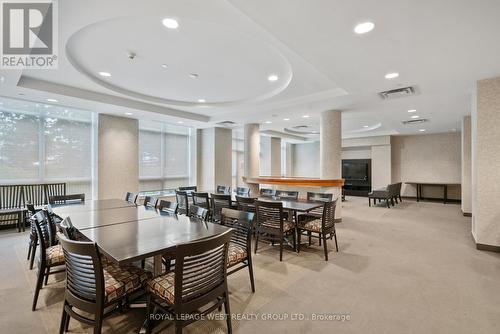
(168, 207)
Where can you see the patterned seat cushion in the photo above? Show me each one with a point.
(287, 226)
(163, 287)
(236, 254)
(120, 281)
(55, 255)
(311, 225)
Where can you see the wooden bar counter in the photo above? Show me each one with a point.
(294, 181)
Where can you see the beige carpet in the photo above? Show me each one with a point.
(408, 269)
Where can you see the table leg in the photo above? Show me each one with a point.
(445, 193)
(418, 192)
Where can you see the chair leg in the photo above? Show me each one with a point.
(336, 243)
(309, 235)
(143, 263)
(39, 283)
(294, 237)
(256, 242)
(228, 313)
(149, 312)
(319, 239)
(369, 202)
(62, 326)
(32, 260)
(325, 247)
(66, 326)
(387, 202)
(30, 246)
(98, 323)
(47, 273)
(299, 236)
(281, 248)
(250, 272)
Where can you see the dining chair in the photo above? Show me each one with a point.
(272, 225)
(318, 197)
(67, 199)
(168, 207)
(201, 199)
(50, 254)
(265, 192)
(198, 213)
(243, 191)
(240, 249)
(93, 287)
(150, 202)
(33, 238)
(131, 197)
(284, 194)
(196, 287)
(324, 227)
(219, 202)
(245, 203)
(226, 190)
(182, 201)
(188, 188)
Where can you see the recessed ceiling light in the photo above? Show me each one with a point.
(268, 122)
(164, 65)
(305, 116)
(170, 23)
(128, 114)
(46, 106)
(422, 130)
(52, 100)
(180, 122)
(391, 75)
(193, 75)
(201, 100)
(454, 130)
(286, 119)
(364, 27)
(412, 110)
(415, 116)
(272, 77)
(365, 126)
(105, 74)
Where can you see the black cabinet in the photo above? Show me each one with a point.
(357, 176)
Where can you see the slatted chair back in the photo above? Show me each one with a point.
(198, 213)
(265, 192)
(131, 197)
(242, 224)
(30, 209)
(245, 203)
(243, 191)
(44, 233)
(328, 216)
(55, 189)
(188, 188)
(67, 228)
(67, 199)
(182, 200)
(269, 215)
(201, 199)
(287, 194)
(168, 207)
(35, 194)
(150, 202)
(219, 202)
(200, 272)
(318, 197)
(223, 190)
(84, 276)
(11, 196)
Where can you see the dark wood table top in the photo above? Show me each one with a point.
(94, 205)
(299, 205)
(83, 220)
(132, 241)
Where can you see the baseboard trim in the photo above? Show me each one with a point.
(467, 214)
(489, 248)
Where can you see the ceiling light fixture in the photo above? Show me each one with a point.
(272, 77)
(363, 28)
(268, 122)
(105, 74)
(193, 75)
(164, 65)
(305, 116)
(201, 100)
(128, 114)
(391, 75)
(286, 119)
(422, 130)
(365, 126)
(415, 116)
(180, 122)
(170, 23)
(52, 100)
(412, 110)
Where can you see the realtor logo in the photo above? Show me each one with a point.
(29, 34)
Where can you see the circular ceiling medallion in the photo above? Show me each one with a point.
(303, 130)
(231, 67)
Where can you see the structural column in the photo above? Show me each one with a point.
(252, 155)
(331, 152)
(275, 156)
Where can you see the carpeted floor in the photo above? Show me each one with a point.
(408, 269)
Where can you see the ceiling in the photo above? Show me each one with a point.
(216, 64)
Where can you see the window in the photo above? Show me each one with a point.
(238, 163)
(42, 143)
(165, 156)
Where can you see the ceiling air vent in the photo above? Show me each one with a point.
(415, 121)
(398, 92)
(226, 123)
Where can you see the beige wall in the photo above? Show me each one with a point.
(118, 156)
(381, 166)
(214, 152)
(275, 156)
(486, 163)
(427, 158)
(466, 166)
